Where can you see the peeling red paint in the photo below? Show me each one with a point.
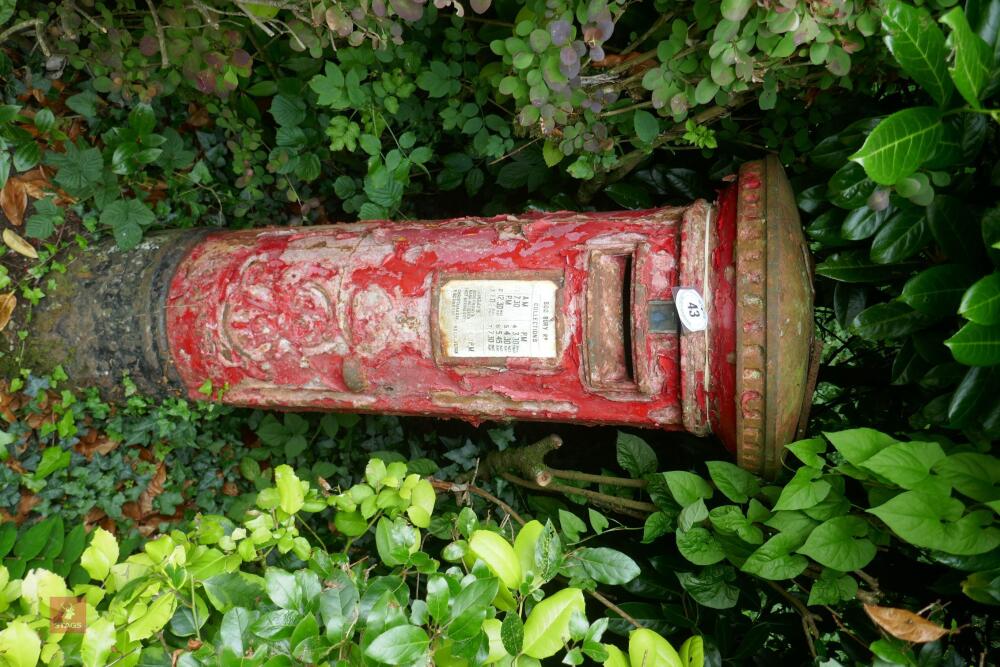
(345, 317)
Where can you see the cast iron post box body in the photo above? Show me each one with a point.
(696, 318)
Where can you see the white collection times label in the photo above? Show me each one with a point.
(498, 318)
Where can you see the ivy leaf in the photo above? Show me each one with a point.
(699, 546)
(840, 543)
(832, 587)
(860, 444)
(712, 586)
(918, 45)
(900, 144)
(976, 345)
(972, 57)
(933, 521)
(687, 487)
(635, 456)
(803, 491)
(402, 645)
(775, 559)
(126, 218)
(79, 170)
(732, 481)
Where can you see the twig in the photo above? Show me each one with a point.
(632, 62)
(452, 487)
(477, 19)
(646, 35)
(808, 618)
(598, 479)
(90, 19)
(615, 608)
(35, 23)
(631, 107)
(164, 62)
(635, 508)
(515, 151)
(529, 461)
(260, 24)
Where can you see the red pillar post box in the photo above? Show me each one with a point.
(696, 318)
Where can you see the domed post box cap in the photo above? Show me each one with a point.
(775, 348)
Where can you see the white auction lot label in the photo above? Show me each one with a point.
(498, 318)
(691, 309)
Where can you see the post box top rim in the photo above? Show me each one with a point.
(775, 331)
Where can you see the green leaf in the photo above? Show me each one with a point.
(289, 487)
(686, 487)
(647, 127)
(900, 144)
(808, 451)
(832, 587)
(976, 345)
(775, 559)
(546, 629)
(469, 608)
(126, 218)
(903, 234)
(860, 444)
(635, 456)
(803, 491)
(647, 648)
(974, 475)
(498, 554)
(19, 645)
(972, 58)
(856, 267)
(402, 645)
(933, 521)
(98, 640)
(155, 618)
(31, 542)
(904, 463)
(850, 187)
(840, 543)
(918, 45)
(102, 553)
(692, 652)
(732, 481)
(972, 393)
(79, 170)
(699, 546)
(938, 290)
(512, 633)
(712, 586)
(981, 303)
(608, 566)
(53, 459)
(889, 320)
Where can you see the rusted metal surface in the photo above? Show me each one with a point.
(774, 312)
(556, 316)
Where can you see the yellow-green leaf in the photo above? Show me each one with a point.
(645, 647)
(547, 629)
(102, 553)
(499, 556)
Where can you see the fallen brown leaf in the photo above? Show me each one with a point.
(14, 201)
(905, 625)
(7, 304)
(154, 489)
(95, 442)
(19, 245)
(36, 183)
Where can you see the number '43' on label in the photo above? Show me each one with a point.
(691, 309)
